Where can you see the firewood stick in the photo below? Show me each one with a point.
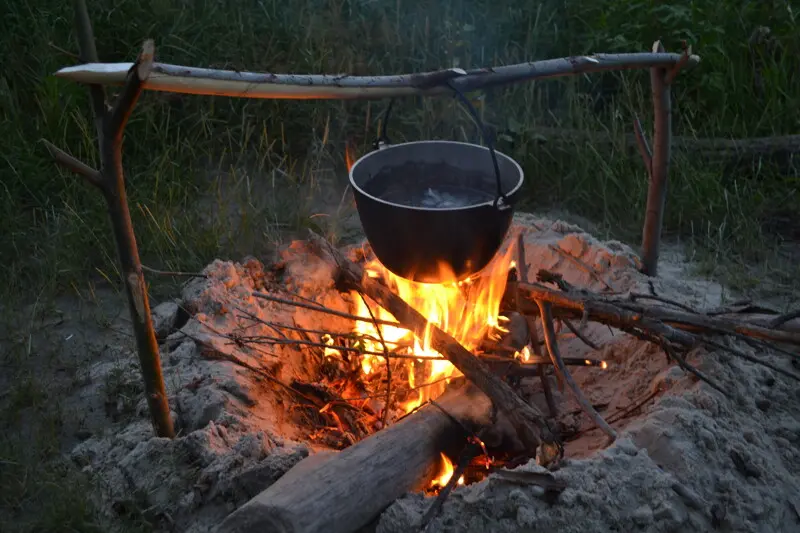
(659, 166)
(349, 489)
(561, 368)
(617, 316)
(602, 309)
(533, 346)
(530, 424)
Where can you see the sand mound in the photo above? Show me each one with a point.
(691, 460)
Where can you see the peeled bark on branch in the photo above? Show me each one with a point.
(342, 492)
(206, 81)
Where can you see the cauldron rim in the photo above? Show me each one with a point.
(520, 176)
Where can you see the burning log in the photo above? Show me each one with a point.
(342, 492)
(530, 424)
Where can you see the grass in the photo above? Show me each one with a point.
(213, 177)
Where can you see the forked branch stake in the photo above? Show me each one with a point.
(110, 180)
(657, 164)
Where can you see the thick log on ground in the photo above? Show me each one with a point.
(342, 492)
(530, 423)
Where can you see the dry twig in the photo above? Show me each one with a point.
(673, 354)
(470, 451)
(784, 318)
(388, 362)
(558, 363)
(534, 344)
(580, 335)
(323, 309)
(583, 266)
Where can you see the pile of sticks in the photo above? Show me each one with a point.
(318, 493)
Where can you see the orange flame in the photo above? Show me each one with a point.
(445, 474)
(349, 156)
(467, 310)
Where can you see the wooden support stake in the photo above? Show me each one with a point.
(110, 123)
(659, 167)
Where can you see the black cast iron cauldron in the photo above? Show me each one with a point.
(426, 205)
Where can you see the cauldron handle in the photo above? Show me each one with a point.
(383, 140)
(501, 201)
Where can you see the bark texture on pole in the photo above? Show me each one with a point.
(110, 180)
(658, 168)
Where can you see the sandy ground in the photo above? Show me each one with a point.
(691, 460)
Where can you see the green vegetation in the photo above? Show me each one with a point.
(212, 177)
(190, 161)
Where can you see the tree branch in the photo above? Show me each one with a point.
(71, 163)
(88, 54)
(545, 310)
(194, 80)
(110, 179)
(682, 62)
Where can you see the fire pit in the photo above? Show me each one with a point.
(325, 350)
(435, 211)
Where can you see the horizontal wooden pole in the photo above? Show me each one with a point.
(214, 82)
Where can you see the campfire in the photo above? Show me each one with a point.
(420, 383)
(426, 389)
(468, 310)
(405, 364)
(424, 386)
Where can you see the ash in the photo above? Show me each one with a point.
(691, 460)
